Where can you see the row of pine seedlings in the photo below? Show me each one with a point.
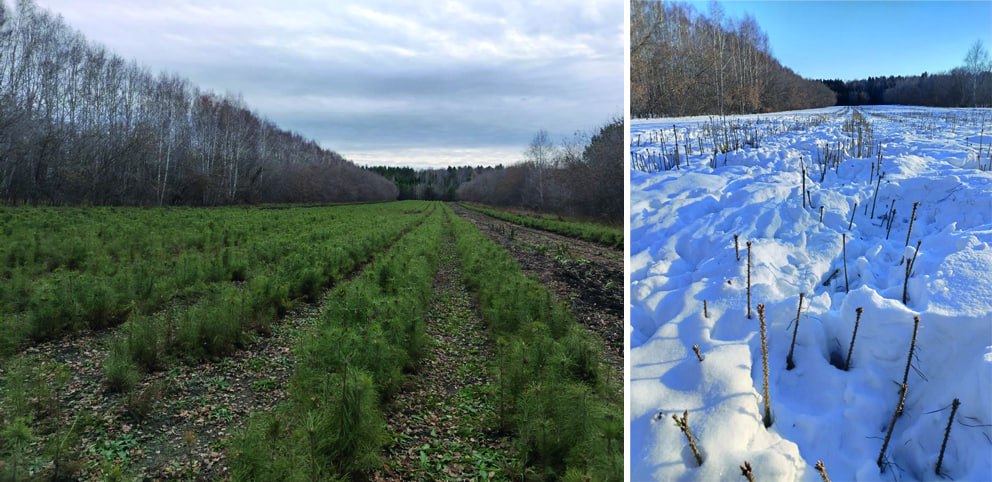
(224, 317)
(97, 269)
(861, 143)
(185, 286)
(332, 425)
(554, 394)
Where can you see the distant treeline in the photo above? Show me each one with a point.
(439, 184)
(576, 178)
(683, 62)
(80, 125)
(965, 86)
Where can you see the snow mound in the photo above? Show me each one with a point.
(683, 253)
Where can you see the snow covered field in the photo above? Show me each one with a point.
(683, 222)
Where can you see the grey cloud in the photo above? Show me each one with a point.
(459, 77)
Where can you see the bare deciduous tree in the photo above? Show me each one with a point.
(81, 125)
(683, 63)
(976, 62)
(579, 177)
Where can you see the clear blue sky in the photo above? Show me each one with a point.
(857, 39)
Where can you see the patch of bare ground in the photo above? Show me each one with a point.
(587, 276)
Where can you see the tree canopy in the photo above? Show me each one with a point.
(80, 125)
(683, 62)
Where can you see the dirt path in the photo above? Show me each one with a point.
(441, 420)
(586, 275)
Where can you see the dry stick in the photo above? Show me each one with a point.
(789, 365)
(854, 210)
(911, 218)
(912, 347)
(810, 196)
(847, 285)
(905, 283)
(912, 264)
(695, 348)
(892, 216)
(749, 280)
(821, 214)
(878, 170)
(947, 433)
(683, 424)
(822, 469)
(737, 250)
(850, 350)
(706, 312)
(764, 363)
(803, 194)
(909, 359)
(909, 232)
(892, 424)
(746, 471)
(875, 201)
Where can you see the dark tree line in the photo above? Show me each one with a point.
(969, 85)
(683, 62)
(574, 178)
(430, 184)
(80, 125)
(863, 91)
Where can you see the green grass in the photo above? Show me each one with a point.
(597, 233)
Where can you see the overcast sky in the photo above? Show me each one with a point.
(430, 83)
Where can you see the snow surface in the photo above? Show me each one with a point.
(682, 252)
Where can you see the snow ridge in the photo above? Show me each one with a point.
(682, 249)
